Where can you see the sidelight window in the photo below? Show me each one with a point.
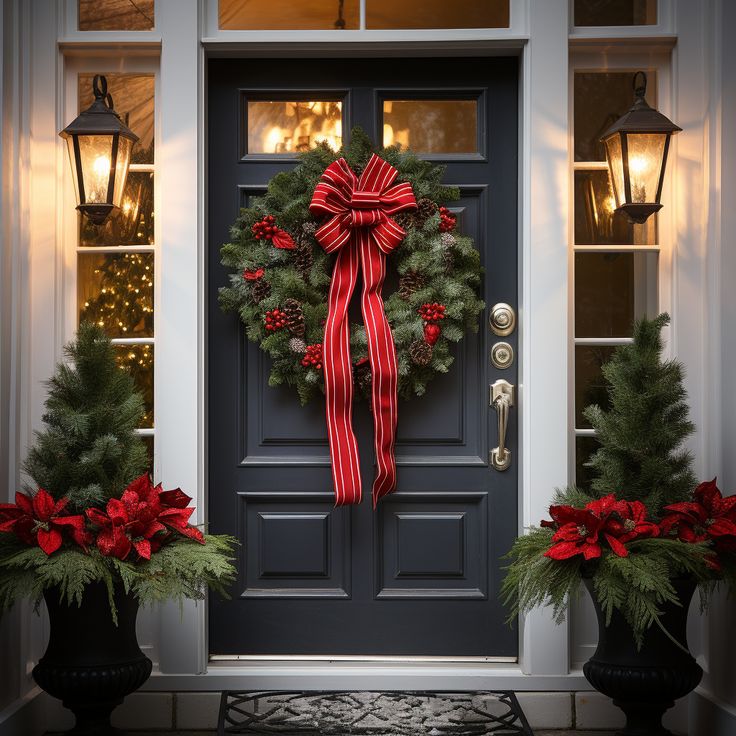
(116, 260)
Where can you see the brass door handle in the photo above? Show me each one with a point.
(502, 399)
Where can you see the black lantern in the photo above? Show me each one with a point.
(99, 145)
(636, 148)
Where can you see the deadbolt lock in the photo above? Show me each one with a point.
(502, 355)
(502, 319)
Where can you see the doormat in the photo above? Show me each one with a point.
(383, 713)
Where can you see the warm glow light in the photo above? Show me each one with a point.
(638, 165)
(388, 135)
(609, 204)
(273, 138)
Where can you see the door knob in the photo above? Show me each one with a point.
(502, 319)
(502, 399)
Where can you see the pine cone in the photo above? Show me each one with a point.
(303, 257)
(404, 220)
(425, 209)
(294, 317)
(259, 291)
(410, 282)
(448, 259)
(297, 345)
(420, 352)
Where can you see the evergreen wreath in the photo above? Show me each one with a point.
(281, 276)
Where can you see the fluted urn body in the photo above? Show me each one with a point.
(91, 664)
(644, 683)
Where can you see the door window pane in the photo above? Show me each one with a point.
(277, 15)
(133, 100)
(116, 15)
(431, 126)
(615, 12)
(290, 126)
(590, 386)
(612, 290)
(138, 361)
(437, 14)
(597, 222)
(600, 99)
(115, 291)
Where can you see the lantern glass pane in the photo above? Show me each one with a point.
(431, 126)
(96, 154)
(646, 153)
(616, 167)
(73, 162)
(125, 146)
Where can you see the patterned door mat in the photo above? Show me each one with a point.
(387, 713)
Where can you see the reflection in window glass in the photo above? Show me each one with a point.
(437, 14)
(615, 12)
(278, 15)
(590, 386)
(431, 126)
(132, 224)
(115, 291)
(148, 441)
(600, 99)
(138, 361)
(584, 448)
(276, 126)
(116, 15)
(612, 290)
(133, 100)
(597, 222)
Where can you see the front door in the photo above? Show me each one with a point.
(421, 575)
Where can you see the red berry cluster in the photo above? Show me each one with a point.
(313, 357)
(448, 220)
(265, 229)
(274, 320)
(253, 274)
(432, 312)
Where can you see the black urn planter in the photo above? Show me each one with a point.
(90, 664)
(644, 683)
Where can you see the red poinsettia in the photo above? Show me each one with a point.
(135, 520)
(38, 520)
(710, 517)
(581, 531)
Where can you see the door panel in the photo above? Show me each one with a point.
(420, 576)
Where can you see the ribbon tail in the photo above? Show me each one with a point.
(339, 381)
(382, 356)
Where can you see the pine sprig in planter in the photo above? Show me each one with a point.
(95, 516)
(644, 523)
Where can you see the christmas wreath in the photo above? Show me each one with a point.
(281, 275)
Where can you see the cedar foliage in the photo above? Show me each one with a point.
(89, 450)
(641, 435)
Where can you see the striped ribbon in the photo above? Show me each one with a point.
(362, 232)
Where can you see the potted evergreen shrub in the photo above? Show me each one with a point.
(95, 537)
(641, 540)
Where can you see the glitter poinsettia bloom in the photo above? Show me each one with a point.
(581, 531)
(38, 520)
(710, 517)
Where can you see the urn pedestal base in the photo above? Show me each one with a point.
(90, 664)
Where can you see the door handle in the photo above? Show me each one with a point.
(502, 399)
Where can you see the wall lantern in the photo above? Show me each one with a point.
(99, 145)
(636, 149)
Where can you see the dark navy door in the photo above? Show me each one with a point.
(421, 575)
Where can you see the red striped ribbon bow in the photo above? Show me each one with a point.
(361, 229)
